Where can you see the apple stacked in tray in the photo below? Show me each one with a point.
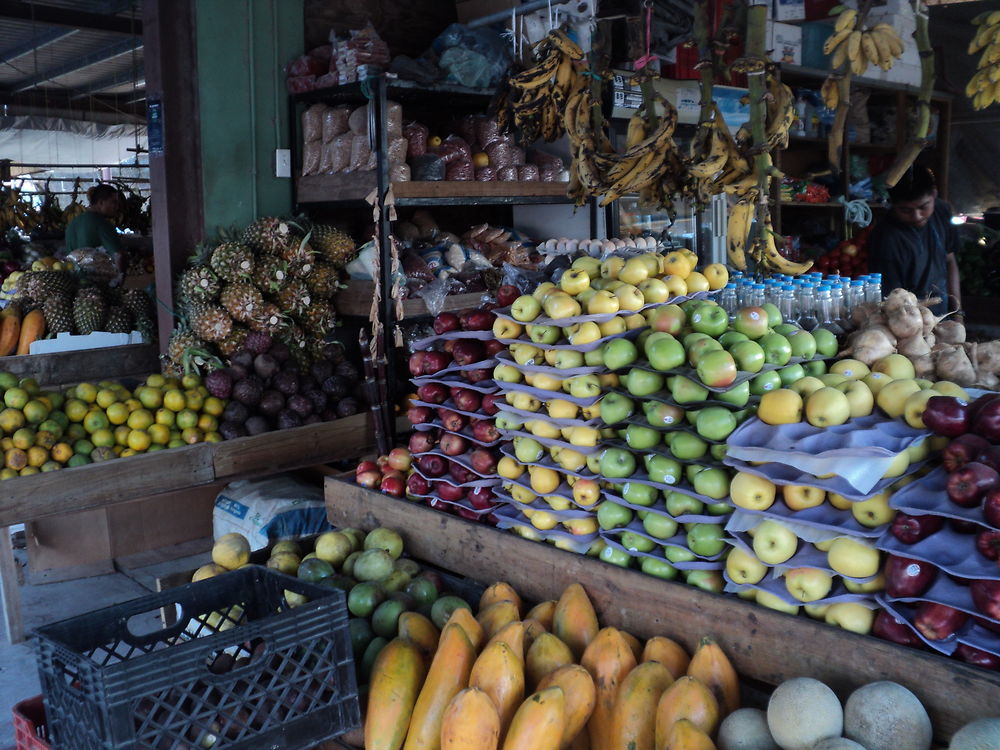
(455, 440)
(943, 571)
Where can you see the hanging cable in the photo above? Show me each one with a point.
(857, 212)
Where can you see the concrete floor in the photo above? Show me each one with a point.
(52, 602)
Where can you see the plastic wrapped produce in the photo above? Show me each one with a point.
(358, 120)
(326, 80)
(487, 131)
(334, 122)
(339, 154)
(507, 174)
(312, 122)
(313, 64)
(416, 135)
(517, 156)
(548, 175)
(486, 174)
(300, 84)
(461, 170)
(312, 157)
(399, 173)
(528, 173)
(428, 167)
(500, 153)
(360, 153)
(326, 158)
(454, 149)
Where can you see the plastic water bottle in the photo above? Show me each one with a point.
(806, 304)
(786, 303)
(838, 293)
(856, 295)
(728, 301)
(824, 310)
(743, 292)
(873, 288)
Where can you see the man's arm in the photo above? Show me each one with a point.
(109, 238)
(954, 284)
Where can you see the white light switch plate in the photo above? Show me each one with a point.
(282, 162)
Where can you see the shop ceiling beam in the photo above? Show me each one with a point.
(35, 43)
(104, 54)
(136, 74)
(51, 15)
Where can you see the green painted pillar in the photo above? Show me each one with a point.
(243, 46)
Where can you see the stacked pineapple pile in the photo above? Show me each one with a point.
(277, 278)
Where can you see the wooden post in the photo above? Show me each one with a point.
(9, 597)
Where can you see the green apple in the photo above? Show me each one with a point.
(544, 334)
(615, 556)
(528, 450)
(738, 395)
(612, 515)
(749, 355)
(691, 471)
(718, 452)
(568, 359)
(595, 357)
(719, 509)
(713, 483)
(641, 438)
(616, 463)
(678, 554)
(678, 504)
(785, 328)
(663, 470)
(705, 539)
(709, 319)
(525, 308)
(687, 447)
(657, 568)
(659, 414)
(791, 373)
(507, 421)
(619, 353)
(689, 306)
(815, 368)
(764, 382)
(685, 391)
(584, 386)
(616, 408)
(706, 580)
(773, 314)
(642, 382)
(777, 350)
(826, 342)
(715, 423)
(660, 526)
(594, 462)
(636, 542)
(731, 337)
(752, 321)
(700, 348)
(803, 344)
(664, 352)
(637, 493)
(690, 339)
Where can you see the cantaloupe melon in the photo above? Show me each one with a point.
(981, 734)
(746, 729)
(837, 743)
(803, 711)
(886, 716)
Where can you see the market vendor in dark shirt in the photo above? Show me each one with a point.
(93, 228)
(914, 245)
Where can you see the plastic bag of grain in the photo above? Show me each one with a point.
(360, 153)
(397, 150)
(507, 174)
(335, 122)
(312, 156)
(416, 134)
(340, 153)
(500, 152)
(278, 507)
(399, 173)
(358, 120)
(326, 158)
(528, 173)
(312, 122)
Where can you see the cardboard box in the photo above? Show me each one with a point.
(785, 43)
(468, 10)
(789, 10)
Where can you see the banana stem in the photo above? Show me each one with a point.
(916, 144)
(756, 49)
(707, 72)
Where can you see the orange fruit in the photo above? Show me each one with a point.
(174, 400)
(37, 455)
(140, 419)
(121, 434)
(75, 409)
(139, 440)
(117, 413)
(62, 452)
(106, 397)
(159, 434)
(103, 438)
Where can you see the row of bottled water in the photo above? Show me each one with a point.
(811, 300)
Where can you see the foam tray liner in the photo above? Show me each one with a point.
(454, 369)
(505, 358)
(822, 518)
(504, 312)
(838, 593)
(952, 552)
(565, 345)
(509, 517)
(806, 556)
(429, 341)
(928, 496)
(465, 432)
(483, 386)
(659, 508)
(658, 554)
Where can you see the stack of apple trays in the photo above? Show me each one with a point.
(455, 443)
(943, 572)
(811, 504)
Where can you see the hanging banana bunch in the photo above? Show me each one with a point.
(984, 86)
(716, 164)
(75, 208)
(859, 47)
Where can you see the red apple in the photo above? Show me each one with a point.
(452, 420)
(435, 362)
(437, 504)
(382, 462)
(467, 351)
(480, 498)
(890, 628)
(978, 657)
(393, 485)
(977, 406)
(417, 485)
(460, 474)
(466, 399)
(988, 544)
(478, 376)
(964, 527)
(991, 508)
(907, 578)
(400, 459)
(478, 320)
(365, 466)
(991, 457)
(938, 621)
(911, 529)
(449, 492)
(484, 461)
(962, 450)
(453, 445)
(432, 465)
(986, 597)
(468, 515)
(485, 431)
(506, 295)
(432, 393)
(449, 345)
(419, 414)
(446, 322)
(967, 486)
(421, 442)
(416, 363)
(493, 347)
(490, 401)
(369, 479)
(947, 415)
(993, 627)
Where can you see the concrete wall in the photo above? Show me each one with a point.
(243, 46)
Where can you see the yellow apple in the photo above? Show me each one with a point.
(613, 326)
(508, 468)
(780, 406)
(774, 543)
(917, 452)
(550, 356)
(892, 398)
(808, 584)
(859, 398)
(807, 385)
(583, 333)
(560, 408)
(876, 381)
(751, 491)
(874, 511)
(584, 437)
(743, 567)
(522, 494)
(851, 616)
(773, 601)
(591, 412)
(827, 407)
(839, 501)
(507, 374)
(526, 308)
(542, 428)
(634, 271)
(652, 261)
(914, 406)
(798, 497)
(612, 284)
(947, 388)
(581, 526)
(850, 368)
(560, 306)
(555, 451)
(717, 275)
(507, 329)
(586, 492)
(676, 285)
(816, 611)
(749, 595)
(609, 380)
(602, 302)
(547, 383)
(526, 354)
(635, 321)
(654, 290)
(591, 265)
(544, 481)
(574, 280)
(527, 532)
(567, 359)
(629, 298)
(585, 296)
(898, 466)
(543, 520)
(853, 557)
(557, 502)
(612, 266)
(675, 264)
(572, 460)
(833, 379)
(543, 289)
(868, 587)
(523, 401)
(824, 546)
(696, 282)
(896, 366)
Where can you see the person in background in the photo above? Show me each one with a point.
(94, 227)
(913, 246)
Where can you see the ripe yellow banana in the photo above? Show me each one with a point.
(839, 56)
(883, 49)
(558, 39)
(833, 41)
(846, 20)
(779, 262)
(854, 46)
(891, 36)
(830, 93)
(869, 49)
(738, 228)
(636, 130)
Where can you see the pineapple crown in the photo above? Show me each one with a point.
(201, 254)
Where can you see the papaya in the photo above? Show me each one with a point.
(690, 699)
(711, 665)
(10, 332)
(609, 660)
(500, 592)
(499, 672)
(669, 653)
(580, 742)
(579, 695)
(545, 655)
(513, 635)
(532, 629)
(496, 616)
(470, 722)
(686, 736)
(538, 723)
(447, 675)
(421, 631)
(633, 724)
(396, 678)
(574, 620)
(633, 643)
(32, 329)
(543, 613)
(473, 630)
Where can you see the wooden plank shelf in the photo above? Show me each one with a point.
(356, 300)
(764, 645)
(62, 368)
(357, 186)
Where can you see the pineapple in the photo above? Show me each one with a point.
(186, 353)
(41, 285)
(136, 302)
(210, 322)
(293, 297)
(89, 311)
(181, 341)
(119, 320)
(298, 345)
(319, 319)
(323, 281)
(268, 319)
(269, 273)
(268, 235)
(146, 326)
(58, 312)
(241, 300)
(232, 261)
(234, 341)
(297, 253)
(198, 284)
(332, 244)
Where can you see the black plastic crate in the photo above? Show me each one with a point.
(261, 675)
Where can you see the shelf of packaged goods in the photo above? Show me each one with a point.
(763, 644)
(357, 186)
(356, 300)
(60, 368)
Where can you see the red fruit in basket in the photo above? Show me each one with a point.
(938, 621)
(393, 485)
(452, 420)
(947, 415)
(449, 492)
(364, 466)
(962, 450)
(485, 431)
(421, 442)
(467, 351)
(477, 320)
(986, 597)
(370, 479)
(982, 622)
(890, 628)
(907, 578)
(489, 403)
(987, 421)
(991, 508)
(437, 504)
(991, 457)
(416, 363)
(480, 498)
(493, 347)
(432, 465)
(484, 461)
(911, 529)
(478, 376)
(417, 485)
(433, 393)
(968, 485)
(988, 544)
(978, 657)
(400, 459)
(419, 414)
(506, 295)
(453, 445)
(466, 399)
(460, 474)
(446, 322)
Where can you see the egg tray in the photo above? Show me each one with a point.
(505, 358)
(658, 554)
(483, 386)
(542, 320)
(823, 518)
(553, 442)
(529, 415)
(454, 369)
(928, 496)
(589, 347)
(465, 432)
(838, 593)
(860, 450)
(659, 508)
(677, 540)
(546, 462)
(508, 517)
(682, 487)
(806, 556)
(952, 552)
(970, 634)
(429, 341)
